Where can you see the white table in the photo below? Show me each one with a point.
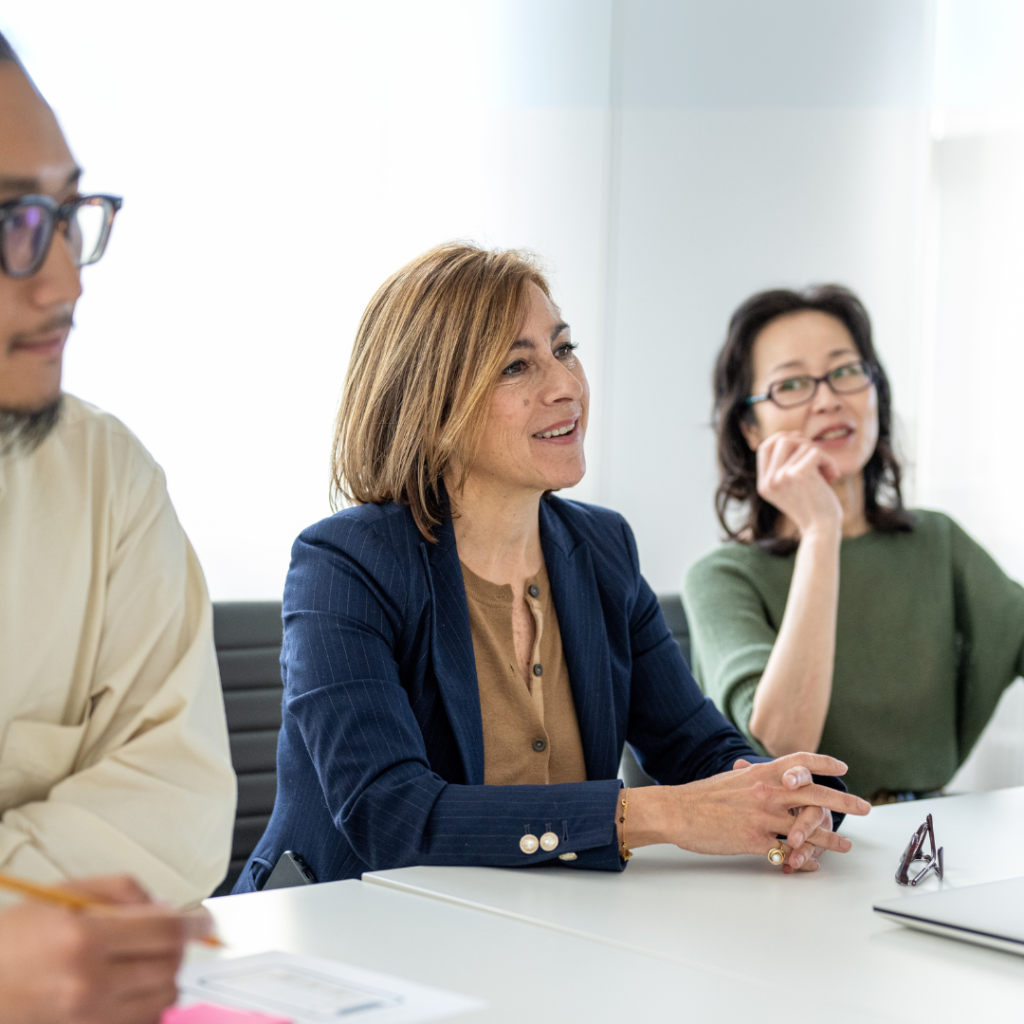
(525, 972)
(739, 917)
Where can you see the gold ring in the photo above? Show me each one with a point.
(777, 855)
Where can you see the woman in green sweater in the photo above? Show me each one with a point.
(835, 618)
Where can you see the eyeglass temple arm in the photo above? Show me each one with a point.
(910, 854)
(934, 864)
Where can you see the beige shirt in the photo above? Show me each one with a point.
(113, 744)
(531, 734)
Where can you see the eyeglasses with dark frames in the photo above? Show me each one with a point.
(848, 379)
(28, 224)
(915, 852)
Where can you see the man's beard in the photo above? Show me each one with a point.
(24, 432)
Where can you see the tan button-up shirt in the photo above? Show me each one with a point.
(113, 745)
(531, 735)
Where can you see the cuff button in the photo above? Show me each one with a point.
(548, 841)
(529, 843)
(567, 856)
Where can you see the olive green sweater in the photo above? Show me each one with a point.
(929, 633)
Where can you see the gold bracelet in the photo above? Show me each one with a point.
(623, 852)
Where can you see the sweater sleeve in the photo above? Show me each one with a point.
(731, 637)
(989, 609)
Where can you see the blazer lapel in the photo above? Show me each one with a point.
(584, 642)
(452, 650)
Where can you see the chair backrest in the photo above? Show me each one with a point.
(247, 635)
(675, 619)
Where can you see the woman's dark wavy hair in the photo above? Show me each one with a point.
(733, 380)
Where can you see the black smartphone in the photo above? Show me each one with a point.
(289, 870)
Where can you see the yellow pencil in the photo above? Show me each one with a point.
(73, 900)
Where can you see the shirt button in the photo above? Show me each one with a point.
(567, 856)
(548, 841)
(540, 744)
(538, 670)
(534, 590)
(529, 844)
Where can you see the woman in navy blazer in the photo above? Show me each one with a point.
(464, 407)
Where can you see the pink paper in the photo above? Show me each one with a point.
(207, 1013)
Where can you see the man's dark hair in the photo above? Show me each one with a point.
(883, 498)
(7, 51)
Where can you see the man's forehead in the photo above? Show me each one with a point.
(32, 146)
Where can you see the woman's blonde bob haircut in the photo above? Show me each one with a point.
(427, 357)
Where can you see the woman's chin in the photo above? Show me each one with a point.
(564, 483)
(852, 466)
(559, 478)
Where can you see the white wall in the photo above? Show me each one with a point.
(278, 163)
(758, 145)
(667, 157)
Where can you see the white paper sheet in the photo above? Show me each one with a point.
(314, 990)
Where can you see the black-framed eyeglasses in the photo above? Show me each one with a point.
(915, 852)
(28, 224)
(847, 379)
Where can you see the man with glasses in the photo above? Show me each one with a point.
(113, 745)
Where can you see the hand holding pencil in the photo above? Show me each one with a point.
(95, 951)
(97, 894)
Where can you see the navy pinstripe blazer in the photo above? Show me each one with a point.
(380, 761)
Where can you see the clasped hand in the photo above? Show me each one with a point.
(811, 833)
(746, 809)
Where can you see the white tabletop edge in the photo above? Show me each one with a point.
(718, 916)
(709, 968)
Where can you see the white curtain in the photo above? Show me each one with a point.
(970, 458)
